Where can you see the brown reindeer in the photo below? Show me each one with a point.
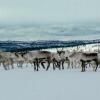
(88, 58)
(37, 58)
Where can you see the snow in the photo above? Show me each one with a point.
(26, 84)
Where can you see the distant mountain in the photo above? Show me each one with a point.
(50, 32)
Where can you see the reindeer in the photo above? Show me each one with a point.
(37, 58)
(6, 60)
(59, 59)
(73, 59)
(18, 58)
(88, 58)
(55, 60)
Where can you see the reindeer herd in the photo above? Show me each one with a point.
(46, 59)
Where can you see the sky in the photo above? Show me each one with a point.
(19, 11)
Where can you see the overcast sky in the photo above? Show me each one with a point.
(49, 10)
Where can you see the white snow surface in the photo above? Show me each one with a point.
(68, 84)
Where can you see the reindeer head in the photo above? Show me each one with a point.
(60, 52)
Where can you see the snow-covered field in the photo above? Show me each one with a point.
(26, 84)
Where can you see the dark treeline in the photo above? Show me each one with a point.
(19, 46)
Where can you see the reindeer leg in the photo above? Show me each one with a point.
(42, 63)
(17, 64)
(12, 66)
(62, 64)
(96, 68)
(37, 62)
(68, 66)
(4, 66)
(48, 66)
(20, 64)
(72, 65)
(59, 65)
(82, 69)
(34, 66)
(96, 65)
(54, 65)
(83, 66)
